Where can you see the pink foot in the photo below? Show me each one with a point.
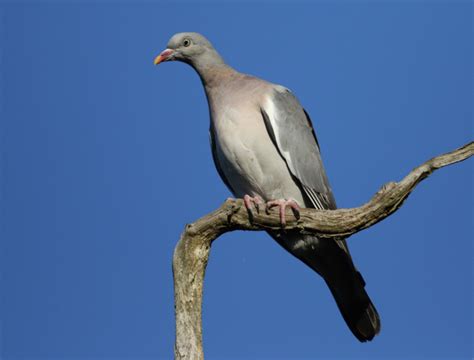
(256, 201)
(282, 204)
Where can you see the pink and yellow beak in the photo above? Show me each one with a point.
(164, 56)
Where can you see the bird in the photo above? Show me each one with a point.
(265, 150)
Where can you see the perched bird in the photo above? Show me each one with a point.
(266, 151)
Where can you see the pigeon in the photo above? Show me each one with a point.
(266, 151)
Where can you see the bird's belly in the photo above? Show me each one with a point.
(251, 163)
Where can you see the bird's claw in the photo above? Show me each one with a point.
(256, 201)
(282, 205)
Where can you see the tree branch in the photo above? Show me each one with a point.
(192, 251)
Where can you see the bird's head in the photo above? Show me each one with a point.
(188, 47)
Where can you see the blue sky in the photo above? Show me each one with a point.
(105, 158)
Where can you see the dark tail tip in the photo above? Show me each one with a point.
(367, 326)
(356, 307)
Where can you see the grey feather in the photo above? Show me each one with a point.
(216, 159)
(292, 133)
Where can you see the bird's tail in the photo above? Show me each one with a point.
(334, 264)
(354, 303)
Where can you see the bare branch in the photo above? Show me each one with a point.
(192, 252)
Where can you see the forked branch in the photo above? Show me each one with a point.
(192, 251)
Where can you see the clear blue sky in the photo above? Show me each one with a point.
(105, 158)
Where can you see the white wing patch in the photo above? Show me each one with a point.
(281, 88)
(272, 114)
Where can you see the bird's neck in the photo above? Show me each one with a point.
(217, 74)
(211, 68)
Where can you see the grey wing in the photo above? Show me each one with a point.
(291, 131)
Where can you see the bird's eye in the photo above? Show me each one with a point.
(186, 42)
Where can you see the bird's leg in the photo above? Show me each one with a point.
(282, 204)
(256, 201)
